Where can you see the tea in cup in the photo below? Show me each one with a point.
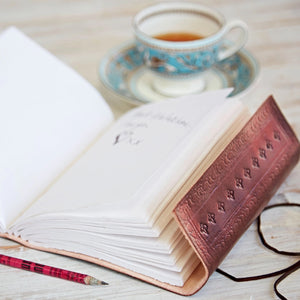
(179, 41)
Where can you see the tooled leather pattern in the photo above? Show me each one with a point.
(233, 191)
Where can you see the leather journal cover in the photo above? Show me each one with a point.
(223, 203)
(233, 191)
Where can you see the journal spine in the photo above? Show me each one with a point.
(233, 191)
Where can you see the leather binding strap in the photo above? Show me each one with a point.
(233, 191)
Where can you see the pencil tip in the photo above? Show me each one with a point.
(93, 281)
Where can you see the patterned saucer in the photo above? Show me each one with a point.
(123, 73)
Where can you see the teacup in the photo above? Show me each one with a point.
(180, 40)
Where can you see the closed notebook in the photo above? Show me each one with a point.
(76, 182)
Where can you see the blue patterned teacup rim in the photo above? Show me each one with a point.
(177, 7)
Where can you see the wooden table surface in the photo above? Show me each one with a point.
(79, 33)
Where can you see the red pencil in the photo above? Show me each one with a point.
(50, 271)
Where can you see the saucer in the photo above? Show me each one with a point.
(123, 73)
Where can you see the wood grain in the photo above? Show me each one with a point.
(79, 33)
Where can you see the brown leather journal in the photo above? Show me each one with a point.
(233, 191)
(222, 204)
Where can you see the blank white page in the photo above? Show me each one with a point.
(48, 116)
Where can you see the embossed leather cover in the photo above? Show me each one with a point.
(233, 191)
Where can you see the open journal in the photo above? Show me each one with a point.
(74, 181)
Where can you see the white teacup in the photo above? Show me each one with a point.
(175, 61)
